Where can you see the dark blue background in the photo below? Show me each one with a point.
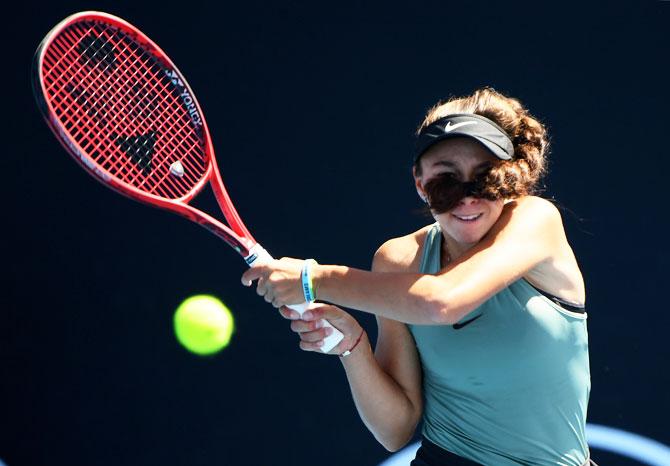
(312, 107)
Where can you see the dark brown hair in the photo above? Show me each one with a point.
(506, 178)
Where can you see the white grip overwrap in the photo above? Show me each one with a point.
(257, 256)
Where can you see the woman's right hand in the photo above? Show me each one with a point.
(308, 327)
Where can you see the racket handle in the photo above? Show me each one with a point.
(257, 256)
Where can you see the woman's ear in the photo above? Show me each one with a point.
(419, 185)
(419, 190)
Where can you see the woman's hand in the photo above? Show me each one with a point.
(308, 327)
(279, 281)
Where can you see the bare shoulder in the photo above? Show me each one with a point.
(533, 209)
(400, 254)
(531, 220)
(560, 274)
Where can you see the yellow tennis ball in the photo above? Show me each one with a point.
(203, 324)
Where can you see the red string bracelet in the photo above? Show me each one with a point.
(348, 352)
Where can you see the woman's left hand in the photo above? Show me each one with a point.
(279, 281)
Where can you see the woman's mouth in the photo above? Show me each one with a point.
(468, 218)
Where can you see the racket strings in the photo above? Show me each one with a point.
(139, 138)
(136, 146)
(128, 147)
(96, 78)
(134, 152)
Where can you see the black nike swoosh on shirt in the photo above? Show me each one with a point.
(463, 324)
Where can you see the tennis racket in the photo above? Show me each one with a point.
(123, 110)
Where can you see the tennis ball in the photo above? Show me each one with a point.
(203, 324)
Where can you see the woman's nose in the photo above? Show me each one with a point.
(469, 200)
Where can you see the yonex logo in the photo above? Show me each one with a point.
(174, 77)
(449, 127)
(185, 97)
(190, 106)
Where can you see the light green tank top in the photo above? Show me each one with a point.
(511, 386)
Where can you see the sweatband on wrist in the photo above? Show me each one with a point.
(307, 282)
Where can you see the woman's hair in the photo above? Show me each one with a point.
(506, 178)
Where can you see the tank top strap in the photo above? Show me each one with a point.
(432, 246)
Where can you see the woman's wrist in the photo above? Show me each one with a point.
(307, 280)
(347, 352)
(322, 278)
(358, 348)
(317, 281)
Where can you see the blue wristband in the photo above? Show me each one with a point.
(307, 283)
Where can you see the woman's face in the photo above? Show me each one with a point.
(465, 158)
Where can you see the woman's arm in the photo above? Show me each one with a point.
(529, 233)
(386, 385)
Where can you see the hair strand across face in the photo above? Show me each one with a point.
(445, 190)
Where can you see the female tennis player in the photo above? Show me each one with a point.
(481, 319)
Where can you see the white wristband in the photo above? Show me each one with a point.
(307, 283)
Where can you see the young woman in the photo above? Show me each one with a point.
(482, 327)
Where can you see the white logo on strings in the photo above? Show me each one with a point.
(177, 169)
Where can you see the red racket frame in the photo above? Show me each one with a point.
(237, 234)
